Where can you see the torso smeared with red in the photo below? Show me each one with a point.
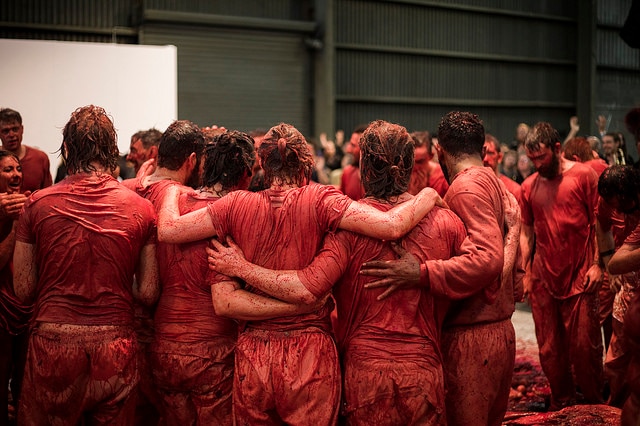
(88, 233)
(400, 332)
(562, 213)
(184, 312)
(281, 230)
(476, 196)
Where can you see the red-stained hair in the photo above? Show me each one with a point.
(285, 155)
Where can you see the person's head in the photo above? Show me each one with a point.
(509, 159)
(89, 141)
(578, 149)
(143, 146)
(596, 144)
(387, 159)
(181, 145)
(544, 149)
(422, 146)
(521, 132)
(492, 155)
(228, 160)
(10, 172)
(619, 186)
(285, 156)
(632, 122)
(461, 133)
(11, 129)
(610, 143)
(353, 146)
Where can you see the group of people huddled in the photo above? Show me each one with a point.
(238, 279)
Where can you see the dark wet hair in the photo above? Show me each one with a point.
(5, 153)
(542, 133)
(460, 133)
(8, 115)
(387, 159)
(89, 137)
(180, 139)
(148, 138)
(580, 147)
(227, 159)
(619, 181)
(285, 155)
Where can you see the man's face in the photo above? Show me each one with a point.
(138, 154)
(353, 147)
(608, 145)
(545, 160)
(492, 156)
(11, 135)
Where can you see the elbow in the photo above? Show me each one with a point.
(222, 308)
(615, 267)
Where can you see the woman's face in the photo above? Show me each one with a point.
(10, 175)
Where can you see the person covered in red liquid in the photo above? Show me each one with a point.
(78, 245)
(389, 349)
(35, 163)
(192, 354)
(492, 158)
(351, 181)
(282, 228)
(483, 283)
(425, 171)
(562, 279)
(14, 315)
(620, 188)
(613, 226)
(178, 154)
(578, 149)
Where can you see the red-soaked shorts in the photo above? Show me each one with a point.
(87, 373)
(194, 381)
(478, 367)
(290, 377)
(379, 391)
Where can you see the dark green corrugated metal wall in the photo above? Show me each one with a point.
(407, 61)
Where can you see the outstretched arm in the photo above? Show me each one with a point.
(394, 223)
(173, 228)
(231, 301)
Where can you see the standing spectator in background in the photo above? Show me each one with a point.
(558, 215)
(525, 167)
(426, 173)
(509, 163)
(492, 157)
(521, 134)
(613, 151)
(36, 173)
(351, 184)
(144, 146)
(78, 244)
